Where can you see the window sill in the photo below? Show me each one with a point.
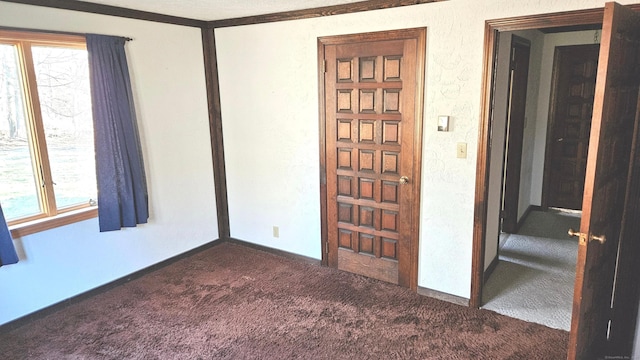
(32, 227)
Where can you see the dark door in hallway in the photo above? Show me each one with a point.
(572, 97)
(614, 118)
(371, 95)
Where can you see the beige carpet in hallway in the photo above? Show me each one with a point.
(534, 278)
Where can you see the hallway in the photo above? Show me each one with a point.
(534, 278)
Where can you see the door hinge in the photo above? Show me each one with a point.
(324, 65)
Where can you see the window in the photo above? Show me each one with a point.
(47, 170)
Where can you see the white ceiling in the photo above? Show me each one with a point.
(219, 9)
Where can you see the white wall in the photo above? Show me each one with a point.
(546, 73)
(531, 115)
(498, 132)
(168, 82)
(269, 99)
(496, 160)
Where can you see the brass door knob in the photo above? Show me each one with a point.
(572, 232)
(601, 239)
(583, 237)
(404, 180)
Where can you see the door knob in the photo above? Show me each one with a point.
(404, 180)
(583, 237)
(572, 232)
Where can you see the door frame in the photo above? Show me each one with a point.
(492, 27)
(420, 35)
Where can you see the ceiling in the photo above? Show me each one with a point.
(219, 9)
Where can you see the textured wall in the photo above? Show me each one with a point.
(531, 118)
(501, 96)
(169, 88)
(498, 132)
(269, 90)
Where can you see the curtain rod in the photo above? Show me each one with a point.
(56, 32)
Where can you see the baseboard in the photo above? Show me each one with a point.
(38, 314)
(490, 268)
(267, 249)
(526, 213)
(443, 296)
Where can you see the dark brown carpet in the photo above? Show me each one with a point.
(234, 302)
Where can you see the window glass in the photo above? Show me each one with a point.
(47, 156)
(18, 189)
(62, 75)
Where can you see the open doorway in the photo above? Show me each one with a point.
(543, 99)
(608, 238)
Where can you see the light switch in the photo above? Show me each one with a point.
(462, 151)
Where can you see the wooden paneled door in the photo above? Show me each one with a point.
(371, 115)
(572, 97)
(607, 177)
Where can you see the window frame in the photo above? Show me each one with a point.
(51, 216)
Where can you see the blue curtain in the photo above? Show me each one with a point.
(122, 185)
(7, 251)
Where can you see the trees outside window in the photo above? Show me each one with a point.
(47, 157)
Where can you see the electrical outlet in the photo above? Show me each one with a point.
(462, 151)
(276, 232)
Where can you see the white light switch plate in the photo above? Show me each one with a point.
(461, 152)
